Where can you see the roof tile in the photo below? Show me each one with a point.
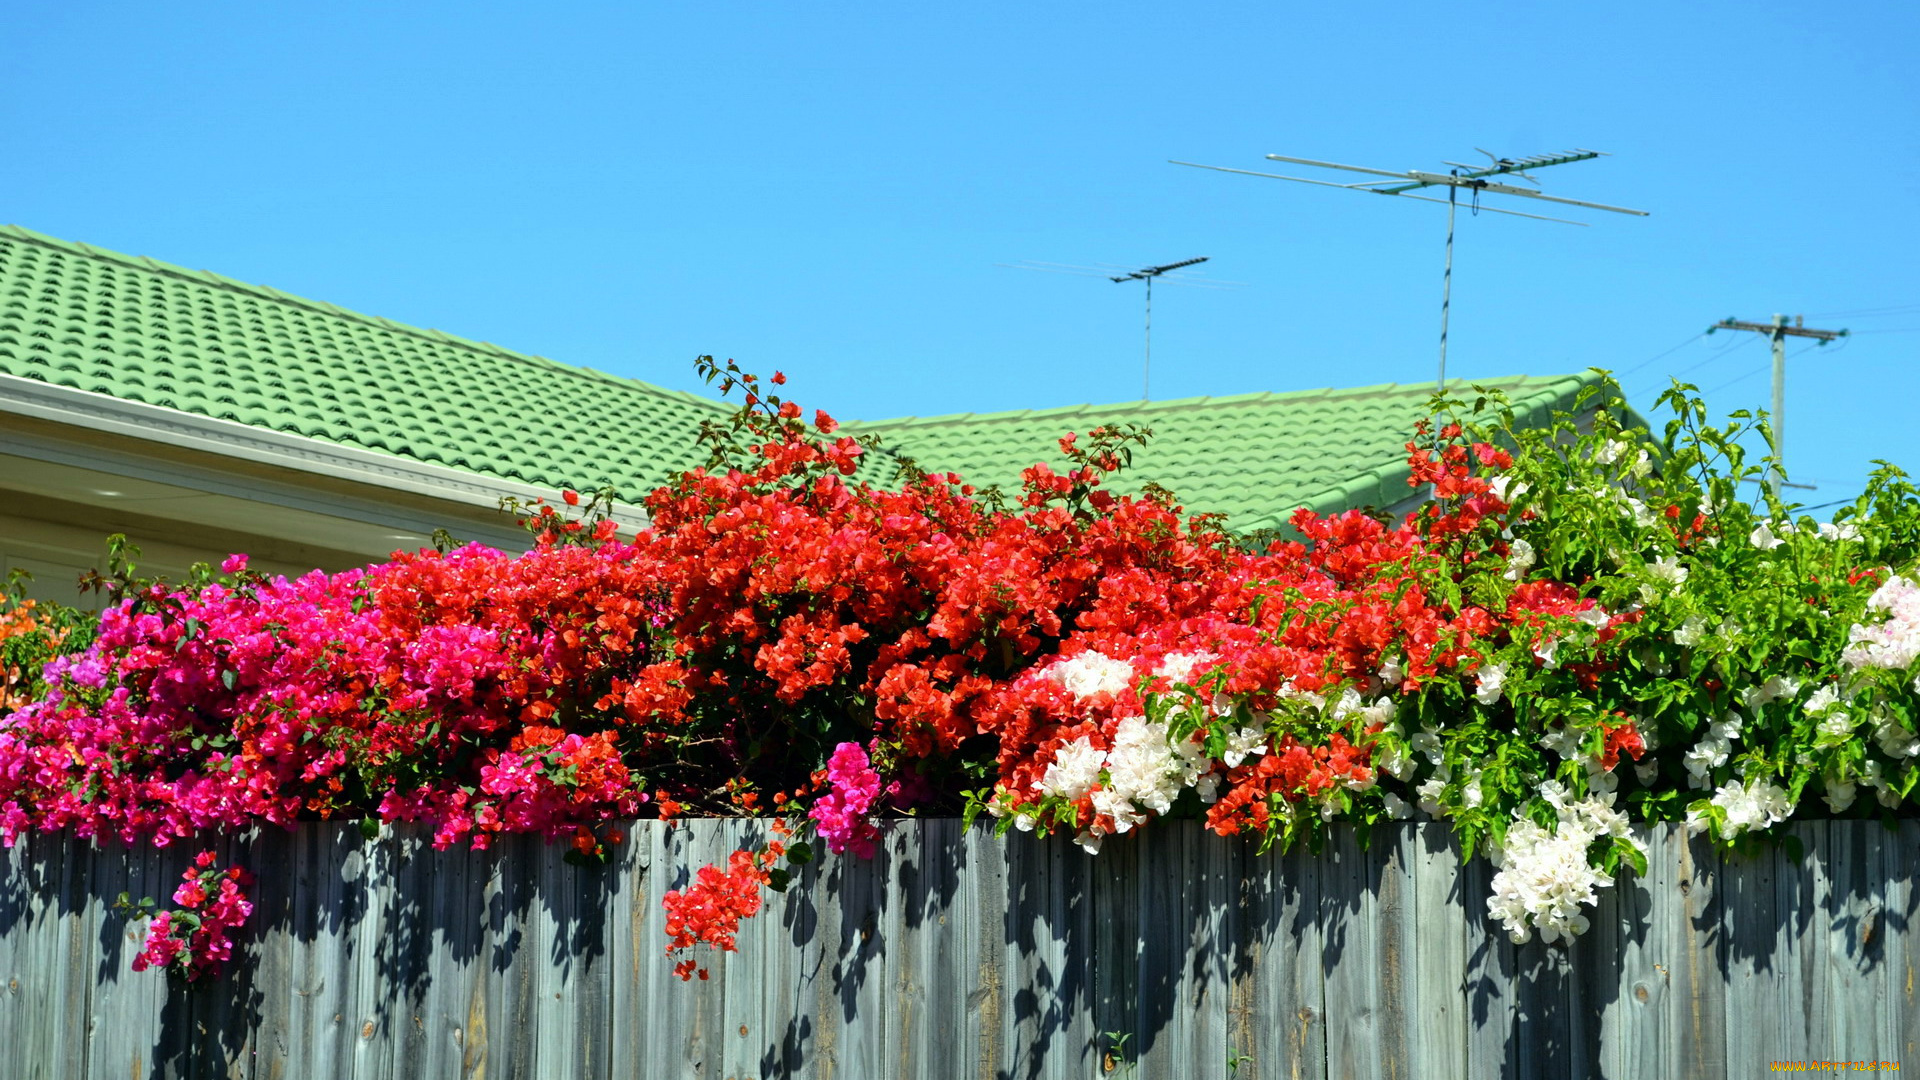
(1255, 457)
(146, 330)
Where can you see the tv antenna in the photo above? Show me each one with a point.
(1461, 175)
(1147, 274)
(1120, 275)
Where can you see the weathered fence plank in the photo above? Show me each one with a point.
(1360, 1034)
(1115, 890)
(954, 953)
(1440, 998)
(1288, 959)
(1213, 944)
(34, 987)
(124, 1007)
(1864, 989)
(314, 1028)
(1903, 941)
(1492, 979)
(984, 971)
(635, 941)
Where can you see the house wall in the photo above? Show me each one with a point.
(57, 540)
(76, 467)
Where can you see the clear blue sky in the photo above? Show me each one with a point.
(829, 188)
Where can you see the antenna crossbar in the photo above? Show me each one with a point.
(1779, 331)
(1404, 192)
(1156, 271)
(1475, 180)
(1508, 189)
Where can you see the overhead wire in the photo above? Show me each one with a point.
(1714, 353)
(1718, 353)
(1863, 313)
(1736, 380)
(1761, 368)
(1661, 356)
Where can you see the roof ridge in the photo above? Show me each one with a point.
(208, 278)
(1257, 397)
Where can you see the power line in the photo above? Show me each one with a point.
(1717, 354)
(1736, 380)
(1714, 354)
(1761, 368)
(1661, 356)
(1865, 312)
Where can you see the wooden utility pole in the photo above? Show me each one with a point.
(1779, 331)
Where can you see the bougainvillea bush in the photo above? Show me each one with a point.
(33, 632)
(1584, 627)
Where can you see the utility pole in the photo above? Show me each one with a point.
(1779, 332)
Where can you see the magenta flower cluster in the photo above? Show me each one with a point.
(195, 940)
(840, 817)
(425, 688)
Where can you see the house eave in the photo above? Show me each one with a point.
(368, 470)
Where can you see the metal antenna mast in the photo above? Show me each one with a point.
(1779, 331)
(1473, 178)
(1147, 274)
(1195, 280)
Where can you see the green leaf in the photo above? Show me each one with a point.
(1796, 850)
(778, 879)
(1635, 857)
(370, 828)
(800, 854)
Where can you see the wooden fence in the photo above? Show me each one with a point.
(953, 954)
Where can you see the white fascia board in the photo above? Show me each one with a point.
(92, 411)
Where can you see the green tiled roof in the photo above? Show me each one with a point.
(1255, 457)
(78, 316)
(134, 328)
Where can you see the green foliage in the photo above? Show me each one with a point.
(1726, 604)
(32, 632)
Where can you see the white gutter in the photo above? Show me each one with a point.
(105, 413)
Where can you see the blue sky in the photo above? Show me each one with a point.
(831, 189)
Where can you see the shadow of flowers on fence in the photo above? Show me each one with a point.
(952, 952)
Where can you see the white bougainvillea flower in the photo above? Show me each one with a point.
(1074, 771)
(1545, 875)
(1894, 642)
(1091, 673)
(1520, 559)
(1505, 489)
(1490, 684)
(1757, 804)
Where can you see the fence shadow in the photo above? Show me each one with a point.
(1171, 948)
